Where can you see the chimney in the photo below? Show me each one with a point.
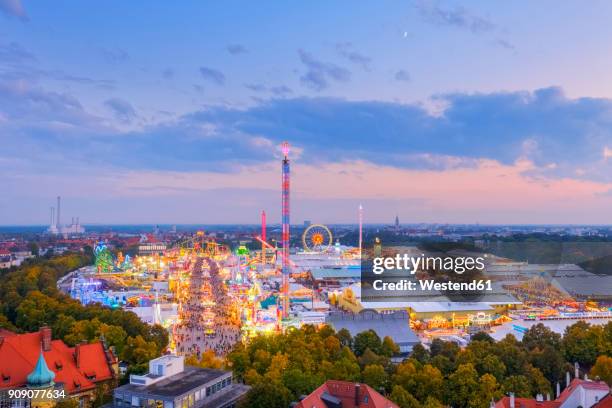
(576, 370)
(539, 398)
(77, 355)
(558, 389)
(45, 338)
(357, 388)
(492, 403)
(548, 396)
(567, 379)
(512, 400)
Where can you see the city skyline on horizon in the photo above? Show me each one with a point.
(182, 124)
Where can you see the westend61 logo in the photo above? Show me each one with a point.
(413, 264)
(406, 276)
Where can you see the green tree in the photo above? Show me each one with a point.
(405, 375)
(5, 323)
(375, 376)
(332, 346)
(369, 357)
(300, 382)
(432, 402)
(463, 386)
(208, 359)
(268, 395)
(603, 369)
(239, 361)
(549, 361)
(346, 369)
(83, 330)
(420, 353)
(606, 343)
(114, 336)
(138, 352)
(403, 398)
(539, 336)
(367, 340)
(261, 361)
(539, 383)
(482, 336)
(427, 381)
(63, 325)
(345, 337)
(511, 352)
(278, 364)
(389, 348)
(443, 363)
(518, 384)
(160, 336)
(581, 343)
(444, 348)
(488, 390)
(326, 331)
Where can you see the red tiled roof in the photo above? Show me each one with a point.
(19, 353)
(6, 333)
(577, 382)
(345, 391)
(526, 403)
(604, 403)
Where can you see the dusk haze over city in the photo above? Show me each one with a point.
(322, 204)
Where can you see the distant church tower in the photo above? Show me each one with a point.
(397, 225)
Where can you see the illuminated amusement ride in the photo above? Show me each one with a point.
(317, 238)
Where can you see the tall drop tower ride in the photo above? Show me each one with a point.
(285, 231)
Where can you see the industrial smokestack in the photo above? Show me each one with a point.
(52, 223)
(57, 221)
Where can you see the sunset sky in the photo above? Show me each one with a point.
(437, 111)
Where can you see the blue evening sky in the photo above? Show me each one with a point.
(176, 104)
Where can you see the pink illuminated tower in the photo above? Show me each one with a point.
(285, 232)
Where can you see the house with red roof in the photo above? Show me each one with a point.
(579, 393)
(344, 394)
(35, 360)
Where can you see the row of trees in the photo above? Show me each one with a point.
(29, 299)
(280, 368)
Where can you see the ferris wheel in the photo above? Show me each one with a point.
(317, 238)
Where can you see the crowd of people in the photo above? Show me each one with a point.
(208, 318)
